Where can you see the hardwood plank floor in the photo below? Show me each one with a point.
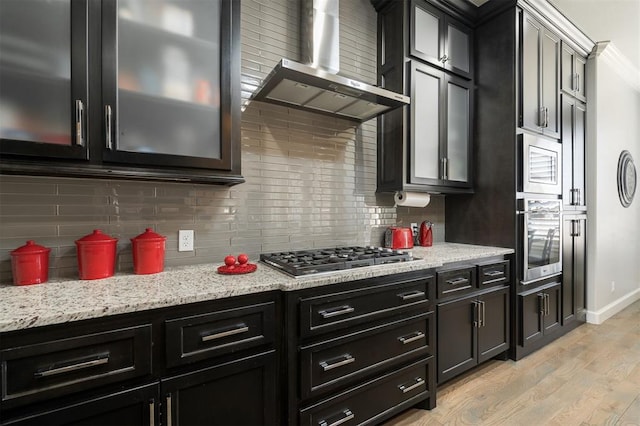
(590, 376)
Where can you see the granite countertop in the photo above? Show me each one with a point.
(57, 302)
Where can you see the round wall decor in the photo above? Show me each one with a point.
(627, 178)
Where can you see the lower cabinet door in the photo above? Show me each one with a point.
(552, 318)
(456, 338)
(241, 392)
(493, 334)
(133, 407)
(375, 400)
(530, 309)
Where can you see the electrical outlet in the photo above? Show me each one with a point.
(185, 240)
(414, 229)
(613, 286)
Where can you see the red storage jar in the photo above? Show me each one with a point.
(148, 252)
(30, 264)
(96, 255)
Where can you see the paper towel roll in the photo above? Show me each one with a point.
(412, 199)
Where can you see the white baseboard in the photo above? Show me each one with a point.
(600, 316)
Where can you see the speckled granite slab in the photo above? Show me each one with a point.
(65, 301)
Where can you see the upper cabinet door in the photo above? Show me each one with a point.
(540, 74)
(43, 78)
(573, 73)
(440, 40)
(458, 137)
(169, 84)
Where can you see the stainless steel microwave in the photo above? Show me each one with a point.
(540, 165)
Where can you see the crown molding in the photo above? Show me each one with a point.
(610, 54)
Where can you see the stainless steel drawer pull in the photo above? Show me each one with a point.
(411, 295)
(152, 413)
(493, 273)
(334, 312)
(76, 365)
(458, 281)
(348, 415)
(416, 336)
(169, 411)
(242, 328)
(419, 382)
(348, 359)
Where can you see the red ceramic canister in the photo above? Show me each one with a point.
(30, 264)
(148, 252)
(96, 255)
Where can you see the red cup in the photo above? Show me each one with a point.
(96, 255)
(30, 264)
(148, 252)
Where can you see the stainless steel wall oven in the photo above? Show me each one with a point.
(540, 239)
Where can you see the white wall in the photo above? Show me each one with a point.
(613, 253)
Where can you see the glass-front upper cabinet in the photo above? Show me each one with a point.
(167, 90)
(43, 78)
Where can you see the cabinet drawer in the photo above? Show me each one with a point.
(198, 337)
(493, 274)
(456, 282)
(370, 402)
(344, 309)
(50, 369)
(328, 365)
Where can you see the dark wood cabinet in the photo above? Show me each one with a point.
(353, 343)
(145, 92)
(241, 392)
(540, 78)
(472, 330)
(573, 73)
(213, 363)
(433, 65)
(440, 40)
(573, 154)
(574, 269)
(540, 313)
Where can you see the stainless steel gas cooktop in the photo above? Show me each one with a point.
(315, 261)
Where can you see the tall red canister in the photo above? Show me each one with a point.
(96, 255)
(30, 264)
(148, 252)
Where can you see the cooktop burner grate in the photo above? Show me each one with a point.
(308, 262)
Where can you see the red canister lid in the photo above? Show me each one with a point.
(30, 248)
(96, 237)
(149, 235)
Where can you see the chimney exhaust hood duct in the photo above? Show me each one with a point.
(315, 85)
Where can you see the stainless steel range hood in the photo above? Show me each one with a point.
(315, 86)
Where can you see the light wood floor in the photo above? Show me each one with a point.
(590, 376)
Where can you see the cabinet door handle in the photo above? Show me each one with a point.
(476, 314)
(347, 415)
(419, 382)
(411, 295)
(577, 89)
(347, 359)
(445, 168)
(79, 123)
(548, 303)
(241, 328)
(107, 126)
(546, 117)
(457, 281)
(152, 413)
(334, 312)
(74, 365)
(573, 196)
(579, 196)
(541, 303)
(169, 413)
(416, 336)
(483, 322)
(493, 274)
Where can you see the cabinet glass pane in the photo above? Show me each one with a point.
(458, 132)
(169, 77)
(426, 33)
(458, 48)
(425, 157)
(35, 71)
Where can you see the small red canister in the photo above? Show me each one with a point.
(148, 252)
(96, 255)
(30, 264)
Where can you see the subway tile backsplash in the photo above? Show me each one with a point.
(310, 179)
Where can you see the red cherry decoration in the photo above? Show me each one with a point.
(229, 260)
(243, 258)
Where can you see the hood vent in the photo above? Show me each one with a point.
(316, 86)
